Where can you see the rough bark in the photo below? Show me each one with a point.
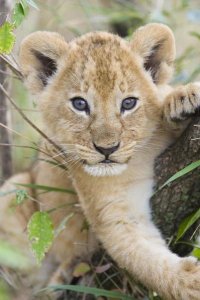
(5, 153)
(182, 197)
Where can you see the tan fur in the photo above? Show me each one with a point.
(104, 69)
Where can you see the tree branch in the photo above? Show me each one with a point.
(6, 156)
(182, 197)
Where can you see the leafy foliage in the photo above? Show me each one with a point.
(21, 196)
(7, 38)
(18, 14)
(40, 233)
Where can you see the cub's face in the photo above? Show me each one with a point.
(98, 94)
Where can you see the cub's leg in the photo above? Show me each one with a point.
(13, 221)
(181, 104)
(13, 224)
(135, 243)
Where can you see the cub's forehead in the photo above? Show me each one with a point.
(102, 46)
(103, 60)
(93, 40)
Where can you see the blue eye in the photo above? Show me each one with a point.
(80, 104)
(128, 103)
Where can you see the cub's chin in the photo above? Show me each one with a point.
(105, 169)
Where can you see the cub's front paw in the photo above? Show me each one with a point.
(182, 103)
(188, 285)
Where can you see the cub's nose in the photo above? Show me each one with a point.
(106, 151)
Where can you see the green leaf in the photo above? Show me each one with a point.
(12, 257)
(187, 223)
(24, 6)
(94, 291)
(40, 234)
(46, 188)
(21, 196)
(7, 38)
(18, 14)
(181, 173)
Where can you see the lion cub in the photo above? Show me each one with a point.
(106, 102)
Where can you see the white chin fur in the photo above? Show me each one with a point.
(105, 169)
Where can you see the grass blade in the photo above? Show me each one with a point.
(187, 223)
(181, 173)
(94, 291)
(46, 188)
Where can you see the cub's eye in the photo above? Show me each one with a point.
(128, 103)
(80, 104)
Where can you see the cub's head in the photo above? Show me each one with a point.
(99, 93)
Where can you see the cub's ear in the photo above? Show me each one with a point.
(155, 45)
(41, 53)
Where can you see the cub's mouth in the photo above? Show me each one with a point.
(107, 161)
(105, 167)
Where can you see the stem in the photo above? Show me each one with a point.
(5, 154)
